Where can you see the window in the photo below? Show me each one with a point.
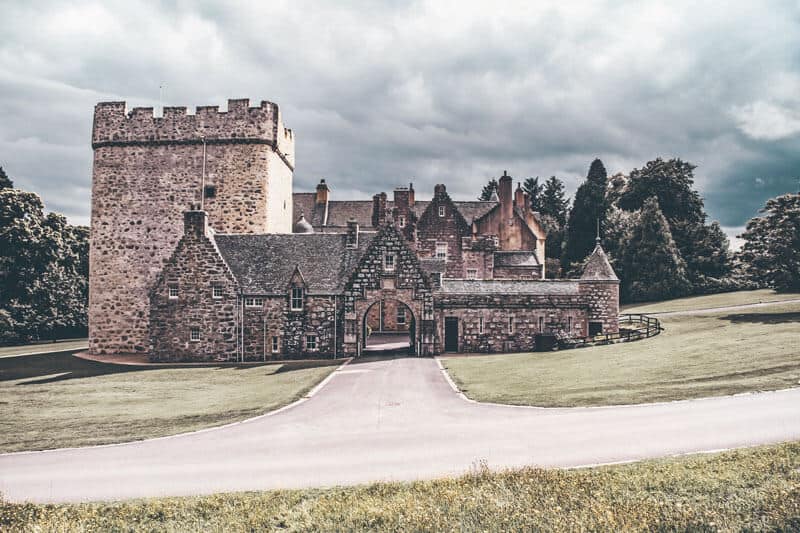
(216, 292)
(441, 250)
(254, 302)
(194, 334)
(401, 316)
(210, 191)
(275, 344)
(541, 324)
(569, 324)
(173, 293)
(437, 278)
(311, 342)
(472, 273)
(480, 325)
(441, 210)
(388, 262)
(297, 298)
(595, 328)
(510, 325)
(401, 221)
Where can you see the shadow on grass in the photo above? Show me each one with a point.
(763, 318)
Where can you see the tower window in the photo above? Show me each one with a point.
(173, 293)
(210, 191)
(216, 292)
(194, 334)
(297, 298)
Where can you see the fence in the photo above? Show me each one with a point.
(646, 327)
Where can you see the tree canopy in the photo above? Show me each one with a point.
(5, 181)
(534, 190)
(588, 208)
(488, 189)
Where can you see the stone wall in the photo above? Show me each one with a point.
(382, 316)
(193, 270)
(450, 229)
(147, 172)
(602, 299)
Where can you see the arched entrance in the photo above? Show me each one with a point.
(388, 328)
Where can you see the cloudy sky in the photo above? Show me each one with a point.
(427, 92)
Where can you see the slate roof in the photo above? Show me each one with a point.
(509, 286)
(340, 211)
(264, 264)
(598, 267)
(522, 258)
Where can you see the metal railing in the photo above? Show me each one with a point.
(646, 327)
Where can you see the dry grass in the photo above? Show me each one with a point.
(711, 354)
(755, 489)
(725, 299)
(56, 400)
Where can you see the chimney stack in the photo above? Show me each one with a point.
(504, 193)
(379, 210)
(410, 195)
(352, 233)
(519, 197)
(322, 192)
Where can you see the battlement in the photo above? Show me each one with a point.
(115, 125)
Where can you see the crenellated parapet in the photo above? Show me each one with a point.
(114, 125)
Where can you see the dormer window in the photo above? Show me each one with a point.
(297, 299)
(441, 210)
(388, 262)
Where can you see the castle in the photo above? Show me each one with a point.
(200, 250)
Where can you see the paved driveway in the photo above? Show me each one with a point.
(393, 419)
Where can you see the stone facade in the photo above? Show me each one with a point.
(147, 171)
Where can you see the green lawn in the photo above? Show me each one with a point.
(41, 347)
(725, 299)
(712, 354)
(56, 400)
(755, 489)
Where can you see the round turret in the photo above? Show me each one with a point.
(302, 225)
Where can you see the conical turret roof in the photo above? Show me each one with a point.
(598, 267)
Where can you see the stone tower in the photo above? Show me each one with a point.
(149, 170)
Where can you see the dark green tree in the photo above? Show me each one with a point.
(588, 208)
(554, 201)
(651, 263)
(5, 181)
(488, 190)
(771, 251)
(534, 190)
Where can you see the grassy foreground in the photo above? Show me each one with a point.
(710, 301)
(57, 400)
(755, 489)
(710, 354)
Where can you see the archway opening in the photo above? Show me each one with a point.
(389, 329)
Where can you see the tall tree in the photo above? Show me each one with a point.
(588, 208)
(554, 201)
(488, 190)
(771, 251)
(651, 262)
(5, 181)
(534, 190)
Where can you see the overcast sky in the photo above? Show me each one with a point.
(429, 92)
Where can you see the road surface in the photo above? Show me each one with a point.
(393, 419)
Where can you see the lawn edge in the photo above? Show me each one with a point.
(451, 382)
(304, 397)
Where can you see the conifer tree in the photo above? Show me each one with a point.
(5, 181)
(554, 202)
(651, 262)
(534, 190)
(488, 189)
(588, 208)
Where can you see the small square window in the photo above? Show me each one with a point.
(401, 221)
(297, 298)
(441, 211)
(472, 273)
(311, 342)
(275, 344)
(388, 262)
(216, 292)
(173, 293)
(194, 334)
(441, 250)
(210, 191)
(510, 325)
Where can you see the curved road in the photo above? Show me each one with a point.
(395, 419)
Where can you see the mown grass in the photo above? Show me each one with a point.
(710, 354)
(57, 400)
(40, 347)
(755, 489)
(725, 299)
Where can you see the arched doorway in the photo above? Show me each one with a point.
(389, 328)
